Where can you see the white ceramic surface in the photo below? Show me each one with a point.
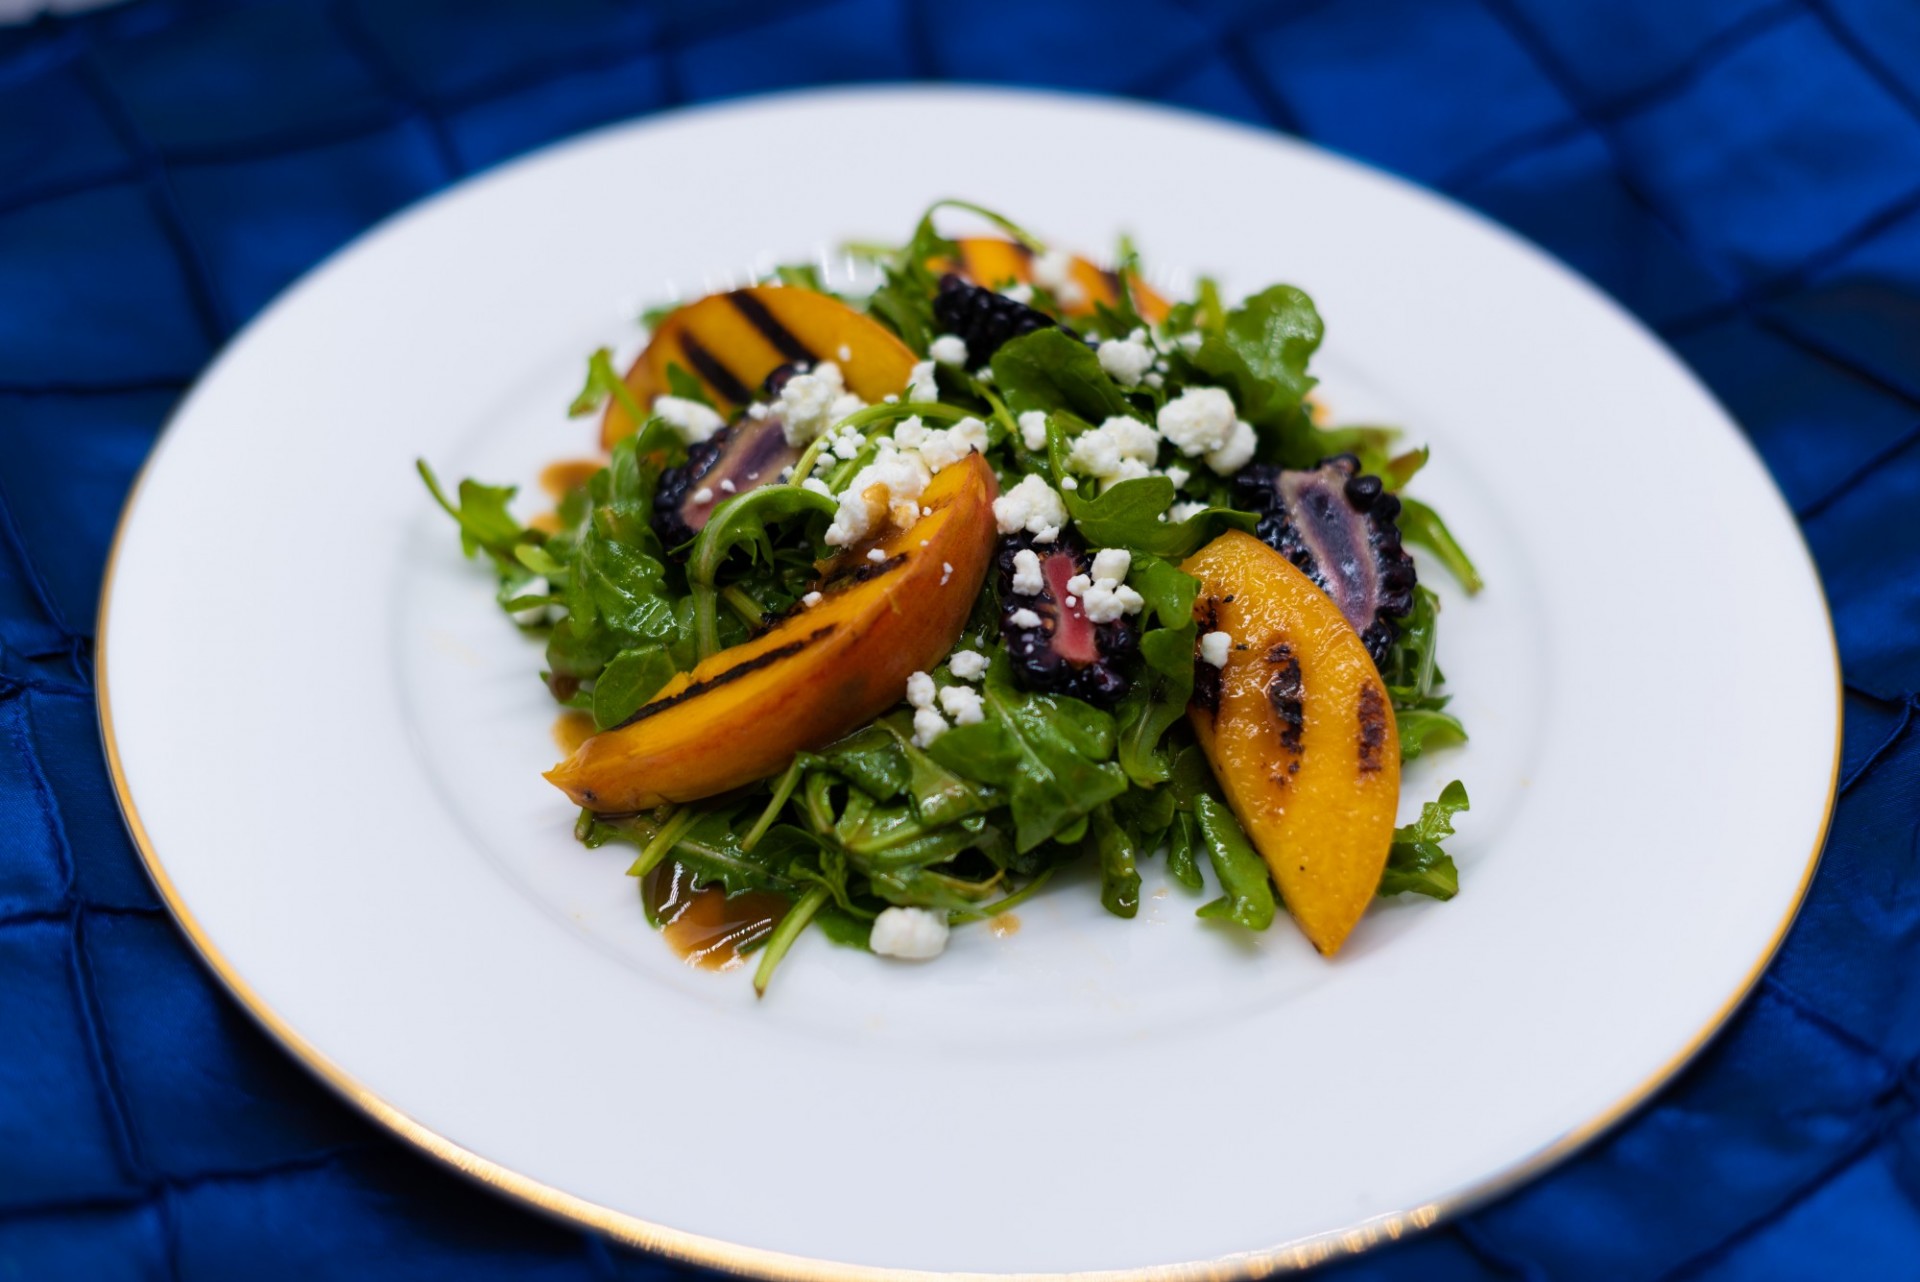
(329, 741)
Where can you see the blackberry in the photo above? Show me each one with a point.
(732, 461)
(983, 318)
(1337, 525)
(1066, 653)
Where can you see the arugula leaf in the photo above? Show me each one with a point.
(1423, 728)
(1155, 703)
(682, 383)
(1183, 842)
(1049, 752)
(741, 522)
(630, 679)
(1421, 526)
(710, 849)
(1248, 897)
(1051, 370)
(1119, 870)
(904, 300)
(871, 759)
(485, 523)
(1416, 863)
(1127, 514)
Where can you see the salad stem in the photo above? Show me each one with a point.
(662, 842)
(743, 605)
(782, 791)
(785, 933)
(961, 915)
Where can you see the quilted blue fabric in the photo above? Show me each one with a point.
(1743, 174)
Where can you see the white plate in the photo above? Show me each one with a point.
(328, 743)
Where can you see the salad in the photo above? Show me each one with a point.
(877, 611)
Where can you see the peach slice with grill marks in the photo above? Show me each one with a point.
(817, 674)
(1300, 732)
(732, 341)
(992, 261)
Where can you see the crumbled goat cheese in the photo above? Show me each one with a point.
(1053, 272)
(891, 485)
(962, 703)
(949, 349)
(1027, 578)
(1068, 484)
(1021, 293)
(946, 572)
(1185, 511)
(1214, 648)
(1120, 449)
(928, 725)
(692, 420)
(817, 485)
(811, 403)
(1126, 359)
(1237, 452)
(758, 411)
(533, 614)
(920, 690)
(1102, 594)
(703, 495)
(1155, 380)
(1178, 475)
(727, 486)
(875, 555)
(1032, 505)
(1198, 420)
(1033, 429)
(1106, 601)
(912, 934)
(941, 448)
(1024, 618)
(1190, 341)
(810, 600)
(985, 374)
(846, 444)
(966, 665)
(921, 384)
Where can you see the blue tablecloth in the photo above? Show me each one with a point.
(1744, 174)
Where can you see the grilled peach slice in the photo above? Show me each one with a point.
(992, 261)
(732, 341)
(819, 673)
(1300, 733)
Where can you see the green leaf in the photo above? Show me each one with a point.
(1276, 333)
(1119, 870)
(627, 682)
(1183, 844)
(1416, 863)
(872, 760)
(1424, 728)
(1050, 370)
(742, 522)
(485, 523)
(1155, 703)
(1421, 526)
(682, 383)
(1049, 753)
(709, 848)
(1248, 897)
(1127, 515)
